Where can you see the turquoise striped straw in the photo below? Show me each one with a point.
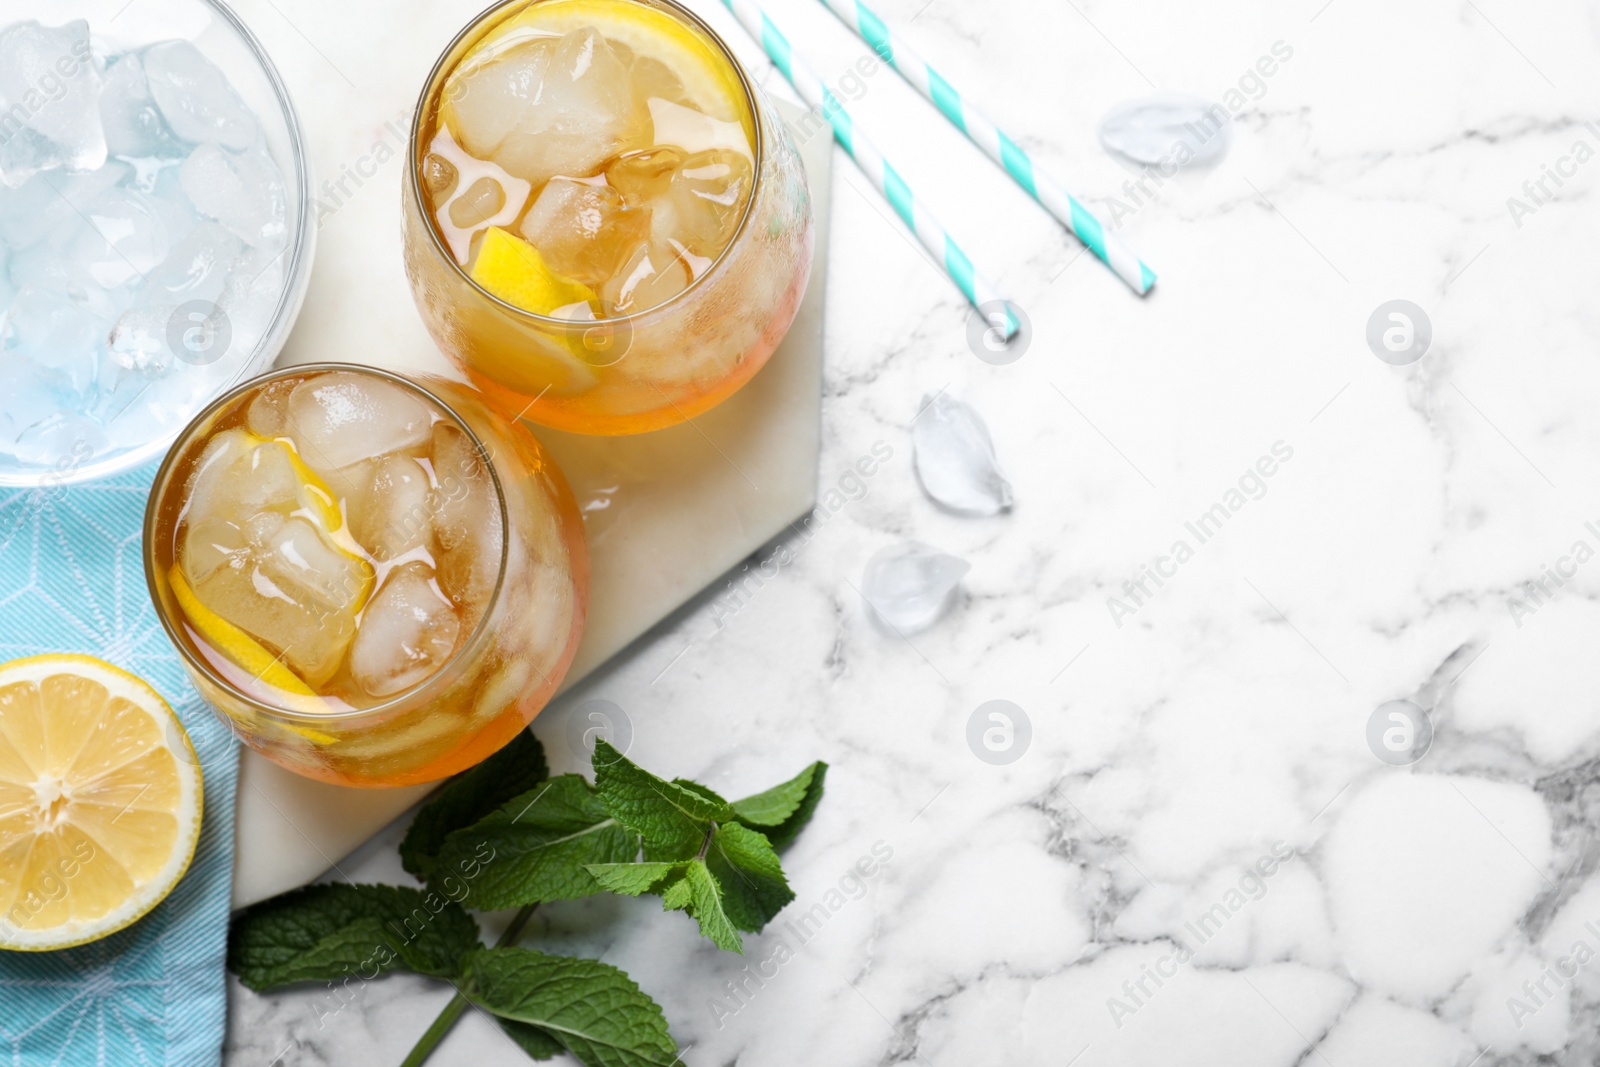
(981, 131)
(940, 245)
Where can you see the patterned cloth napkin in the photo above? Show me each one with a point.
(72, 580)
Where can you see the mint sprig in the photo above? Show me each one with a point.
(505, 834)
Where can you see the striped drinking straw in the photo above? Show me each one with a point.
(940, 245)
(993, 140)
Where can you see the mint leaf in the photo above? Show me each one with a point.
(695, 787)
(468, 797)
(782, 812)
(532, 1040)
(326, 932)
(737, 885)
(594, 1010)
(631, 879)
(749, 875)
(698, 893)
(671, 819)
(534, 849)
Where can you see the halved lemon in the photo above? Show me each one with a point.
(99, 801)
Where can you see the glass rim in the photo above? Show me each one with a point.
(158, 492)
(414, 176)
(297, 276)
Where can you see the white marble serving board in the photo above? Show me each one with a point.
(665, 513)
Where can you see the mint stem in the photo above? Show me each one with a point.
(459, 1003)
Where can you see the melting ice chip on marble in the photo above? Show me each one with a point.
(1171, 130)
(908, 585)
(49, 97)
(955, 458)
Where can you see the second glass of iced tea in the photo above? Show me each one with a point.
(607, 228)
(377, 580)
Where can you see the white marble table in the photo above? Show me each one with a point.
(1199, 859)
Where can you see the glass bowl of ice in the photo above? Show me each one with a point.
(155, 231)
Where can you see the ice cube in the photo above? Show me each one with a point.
(470, 172)
(583, 229)
(42, 205)
(49, 97)
(489, 98)
(1170, 130)
(653, 79)
(340, 418)
(242, 190)
(584, 114)
(250, 297)
(7, 290)
(392, 515)
(908, 586)
(955, 458)
(703, 204)
(298, 594)
(643, 176)
(467, 523)
(57, 333)
(196, 98)
(268, 414)
(407, 633)
(139, 340)
(480, 202)
(209, 545)
(26, 395)
(196, 268)
(60, 438)
(693, 131)
(133, 124)
(440, 175)
(120, 239)
(652, 275)
(237, 477)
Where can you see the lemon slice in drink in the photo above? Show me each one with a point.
(709, 80)
(513, 270)
(238, 646)
(99, 801)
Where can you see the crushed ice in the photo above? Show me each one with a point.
(131, 184)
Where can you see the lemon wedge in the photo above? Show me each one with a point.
(99, 801)
(240, 648)
(513, 270)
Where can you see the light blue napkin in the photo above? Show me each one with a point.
(72, 580)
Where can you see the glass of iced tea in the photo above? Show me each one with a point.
(607, 228)
(377, 579)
